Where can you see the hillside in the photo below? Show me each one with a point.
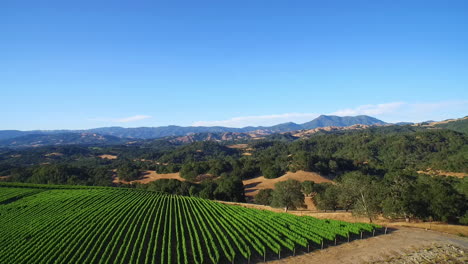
(460, 125)
(115, 225)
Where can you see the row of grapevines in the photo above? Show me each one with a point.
(43, 224)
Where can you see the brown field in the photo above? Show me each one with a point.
(149, 176)
(108, 156)
(309, 203)
(238, 146)
(444, 173)
(53, 154)
(252, 186)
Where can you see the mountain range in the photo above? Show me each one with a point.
(182, 135)
(165, 131)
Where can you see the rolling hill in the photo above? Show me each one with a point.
(460, 125)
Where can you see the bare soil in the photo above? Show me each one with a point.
(52, 154)
(379, 249)
(108, 156)
(444, 173)
(239, 146)
(252, 186)
(149, 176)
(437, 253)
(309, 203)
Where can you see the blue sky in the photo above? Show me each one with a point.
(84, 64)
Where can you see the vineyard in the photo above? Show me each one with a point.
(44, 224)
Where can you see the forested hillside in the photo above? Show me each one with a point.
(460, 125)
(374, 149)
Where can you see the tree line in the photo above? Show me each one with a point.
(396, 195)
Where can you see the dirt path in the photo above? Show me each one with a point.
(380, 248)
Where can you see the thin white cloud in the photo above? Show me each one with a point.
(132, 118)
(388, 112)
(263, 120)
(372, 110)
(121, 120)
(410, 112)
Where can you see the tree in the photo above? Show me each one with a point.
(191, 170)
(363, 192)
(264, 197)
(207, 190)
(128, 172)
(217, 167)
(327, 197)
(271, 171)
(308, 187)
(439, 198)
(288, 194)
(322, 167)
(333, 166)
(230, 189)
(399, 195)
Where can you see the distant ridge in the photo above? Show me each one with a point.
(37, 140)
(166, 131)
(341, 121)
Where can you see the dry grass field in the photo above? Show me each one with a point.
(149, 176)
(238, 146)
(443, 173)
(252, 186)
(108, 156)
